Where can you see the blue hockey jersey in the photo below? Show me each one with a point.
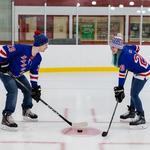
(20, 59)
(130, 60)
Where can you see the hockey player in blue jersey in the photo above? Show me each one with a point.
(17, 60)
(126, 58)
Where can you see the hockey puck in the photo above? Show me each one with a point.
(79, 130)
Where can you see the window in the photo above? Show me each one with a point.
(28, 24)
(92, 29)
(117, 25)
(57, 27)
(60, 27)
(102, 29)
(134, 29)
(95, 29)
(146, 30)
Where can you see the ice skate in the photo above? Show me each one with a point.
(138, 123)
(128, 116)
(8, 122)
(28, 115)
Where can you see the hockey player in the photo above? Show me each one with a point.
(17, 60)
(126, 58)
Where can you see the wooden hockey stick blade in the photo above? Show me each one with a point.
(80, 125)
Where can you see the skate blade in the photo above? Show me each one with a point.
(126, 120)
(27, 119)
(4, 127)
(136, 127)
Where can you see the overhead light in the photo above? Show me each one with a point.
(78, 4)
(148, 9)
(131, 3)
(93, 2)
(121, 6)
(112, 8)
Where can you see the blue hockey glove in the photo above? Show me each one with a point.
(119, 93)
(4, 67)
(36, 93)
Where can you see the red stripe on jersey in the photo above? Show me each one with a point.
(33, 77)
(144, 74)
(3, 53)
(122, 75)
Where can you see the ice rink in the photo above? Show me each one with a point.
(79, 97)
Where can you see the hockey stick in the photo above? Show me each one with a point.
(74, 125)
(104, 133)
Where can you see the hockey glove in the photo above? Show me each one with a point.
(119, 93)
(4, 67)
(36, 93)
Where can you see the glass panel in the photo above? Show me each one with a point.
(146, 30)
(102, 28)
(117, 25)
(60, 27)
(134, 29)
(28, 24)
(49, 30)
(5, 21)
(92, 29)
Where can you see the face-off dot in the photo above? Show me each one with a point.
(81, 132)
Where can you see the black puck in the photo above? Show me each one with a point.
(79, 130)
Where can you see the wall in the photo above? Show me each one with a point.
(76, 56)
(87, 57)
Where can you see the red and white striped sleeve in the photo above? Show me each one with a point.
(34, 77)
(3, 54)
